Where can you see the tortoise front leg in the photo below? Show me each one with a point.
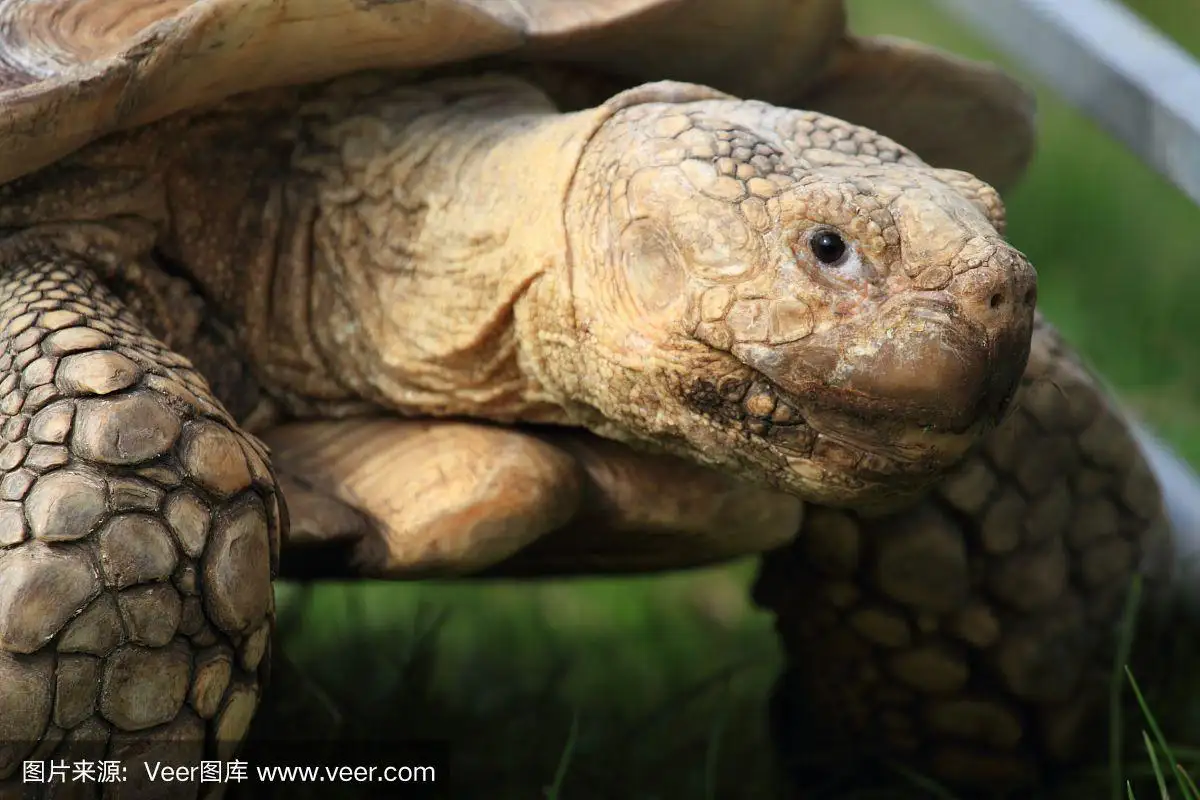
(392, 498)
(396, 498)
(138, 531)
(974, 634)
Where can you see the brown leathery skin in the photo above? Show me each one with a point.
(973, 635)
(139, 532)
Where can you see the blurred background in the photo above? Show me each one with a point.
(655, 687)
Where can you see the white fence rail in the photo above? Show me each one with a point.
(1139, 85)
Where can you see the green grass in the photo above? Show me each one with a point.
(655, 687)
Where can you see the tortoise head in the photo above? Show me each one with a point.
(793, 297)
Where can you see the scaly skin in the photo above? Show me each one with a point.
(837, 381)
(138, 533)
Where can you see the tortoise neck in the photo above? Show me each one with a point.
(438, 251)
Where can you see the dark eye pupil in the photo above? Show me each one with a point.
(828, 247)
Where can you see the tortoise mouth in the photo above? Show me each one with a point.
(768, 412)
(836, 445)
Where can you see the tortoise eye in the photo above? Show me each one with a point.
(828, 246)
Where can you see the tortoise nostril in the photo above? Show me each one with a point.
(1031, 297)
(996, 300)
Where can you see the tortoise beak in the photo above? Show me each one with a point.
(926, 363)
(947, 361)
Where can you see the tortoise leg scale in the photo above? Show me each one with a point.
(139, 529)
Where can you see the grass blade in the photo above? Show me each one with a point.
(1191, 784)
(1159, 777)
(1159, 738)
(1116, 722)
(564, 761)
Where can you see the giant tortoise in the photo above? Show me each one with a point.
(500, 307)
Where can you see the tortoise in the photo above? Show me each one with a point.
(446, 287)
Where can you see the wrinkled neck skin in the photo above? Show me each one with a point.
(439, 219)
